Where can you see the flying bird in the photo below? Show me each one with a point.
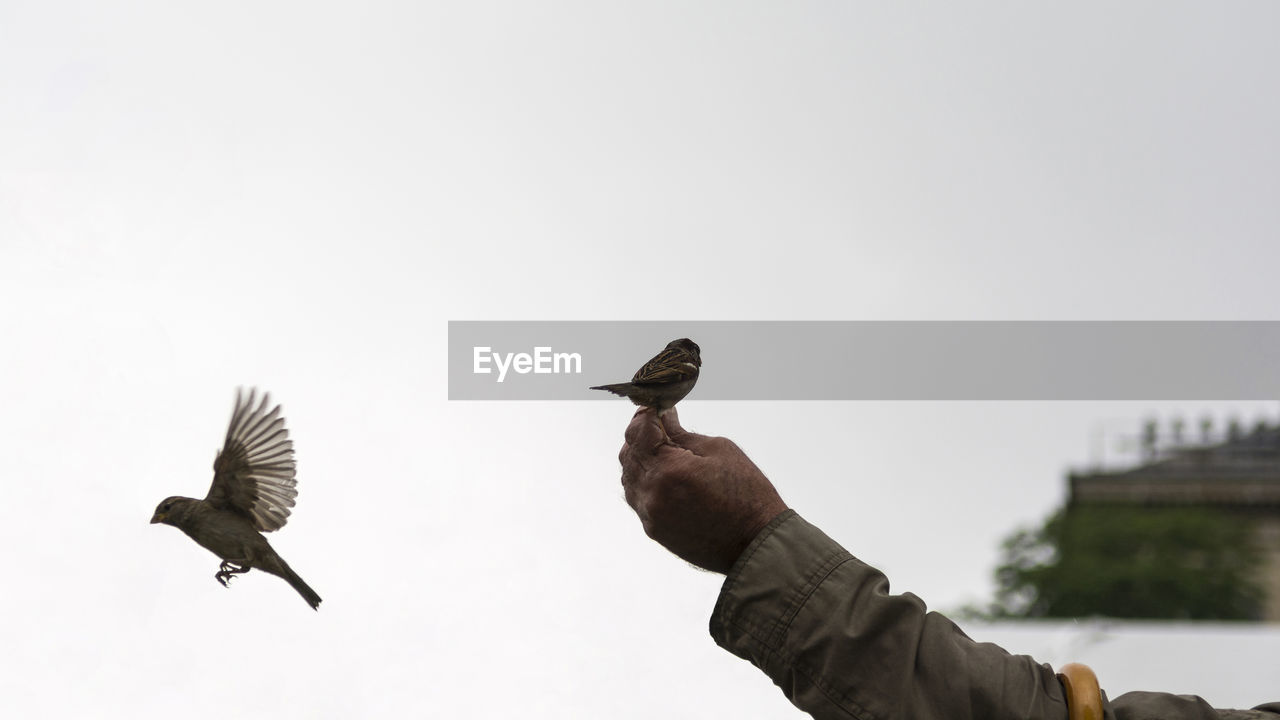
(253, 492)
(665, 380)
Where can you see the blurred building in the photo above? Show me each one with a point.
(1238, 472)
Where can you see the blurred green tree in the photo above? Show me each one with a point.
(1127, 561)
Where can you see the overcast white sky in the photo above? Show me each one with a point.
(299, 196)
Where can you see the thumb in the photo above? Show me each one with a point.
(696, 443)
(671, 422)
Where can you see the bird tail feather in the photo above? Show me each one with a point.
(291, 577)
(616, 388)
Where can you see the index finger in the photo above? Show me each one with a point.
(644, 433)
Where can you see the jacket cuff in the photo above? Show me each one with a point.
(823, 626)
(769, 584)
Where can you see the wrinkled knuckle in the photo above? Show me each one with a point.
(633, 429)
(629, 485)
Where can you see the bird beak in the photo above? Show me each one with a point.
(158, 517)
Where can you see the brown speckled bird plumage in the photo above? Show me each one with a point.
(665, 379)
(253, 491)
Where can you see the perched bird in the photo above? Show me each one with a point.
(665, 380)
(252, 493)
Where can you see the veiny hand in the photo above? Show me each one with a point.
(700, 497)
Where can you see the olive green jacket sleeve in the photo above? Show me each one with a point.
(824, 627)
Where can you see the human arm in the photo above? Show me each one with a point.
(818, 621)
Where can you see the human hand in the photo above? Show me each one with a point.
(700, 497)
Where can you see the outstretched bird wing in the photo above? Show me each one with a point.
(254, 472)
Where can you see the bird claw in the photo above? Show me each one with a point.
(226, 571)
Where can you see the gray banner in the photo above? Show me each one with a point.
(871, 360)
